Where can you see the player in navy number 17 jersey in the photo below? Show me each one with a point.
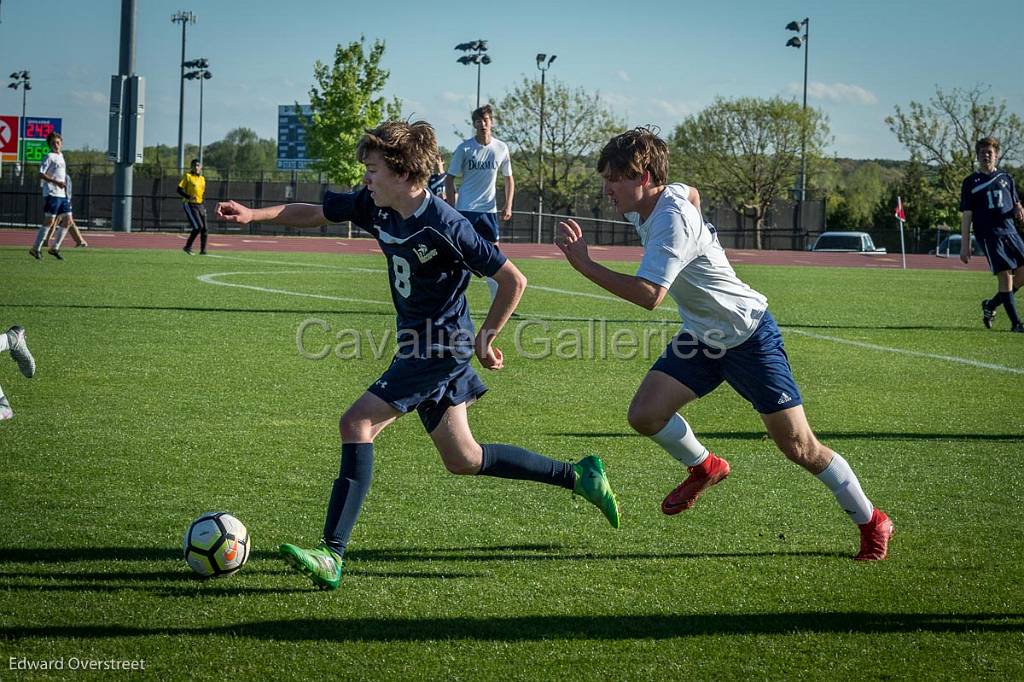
(431, 251)
(989, 201)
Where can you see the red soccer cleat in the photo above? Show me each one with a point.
(874, 537)
(703, 476)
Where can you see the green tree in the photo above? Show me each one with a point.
(576, 125)
(921, 204)
(941, 134)
(241, 150)
(745, 152)
(860, 192)
(345, 102)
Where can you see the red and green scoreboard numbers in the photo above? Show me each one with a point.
(33, 137)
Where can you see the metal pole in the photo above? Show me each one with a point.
(122, 216)
(479, 67)
(803, 141)
(540, 162)
(181, 96)
(201, 79)
(21, 140)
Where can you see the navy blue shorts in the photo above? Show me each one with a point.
(758, 369)
(485, 224)
(1003, 251)
(428, 385)
(56, 206)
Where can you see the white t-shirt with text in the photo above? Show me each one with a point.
(682, 253)
(478, 166)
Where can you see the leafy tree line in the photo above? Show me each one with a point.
(743, 153)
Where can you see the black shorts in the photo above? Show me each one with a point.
(196, 215)
(428, 385)
(1003, 251)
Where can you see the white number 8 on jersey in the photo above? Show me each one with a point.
(402, 271)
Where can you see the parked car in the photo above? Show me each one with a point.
(846, 242)
(950, 247)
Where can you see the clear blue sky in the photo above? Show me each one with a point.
(652, 62)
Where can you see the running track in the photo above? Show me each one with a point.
(309, 244)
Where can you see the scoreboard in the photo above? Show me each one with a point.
(33, 137)
(291, 137)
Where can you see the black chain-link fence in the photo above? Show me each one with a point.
(157, 206)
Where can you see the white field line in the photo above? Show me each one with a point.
(904, 351)
(212, 279)
(790, 330)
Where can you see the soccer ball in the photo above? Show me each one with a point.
(216, 544)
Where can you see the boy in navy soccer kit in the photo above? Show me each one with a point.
(728, 335)
(989, 201)
(431, 251)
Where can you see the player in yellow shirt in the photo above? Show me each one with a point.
(192, 188)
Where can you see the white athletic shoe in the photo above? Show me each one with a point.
(5, 409)
(20, 352)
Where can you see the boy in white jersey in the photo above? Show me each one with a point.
(477, 161)
(728, 334)
(57, 208)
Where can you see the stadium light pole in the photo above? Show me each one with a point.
(202, 73)
(23, 80)
(543, 64)
(183, 17)
(479, 57)
(126, 135)
(799, 41)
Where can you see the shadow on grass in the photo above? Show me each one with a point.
(822, 435)
(195, 588)
(194, 309)
(490, 554)
(57, 555)
(540, 628)
(478, 553)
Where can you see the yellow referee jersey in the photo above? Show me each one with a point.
(194, 186)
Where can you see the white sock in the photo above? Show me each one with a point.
(843, 483)
(677, 439)
(5, 342)
(40, 236)
(493, 286)
(59, 238)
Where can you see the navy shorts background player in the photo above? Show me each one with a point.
(431, 251)
(989, 201)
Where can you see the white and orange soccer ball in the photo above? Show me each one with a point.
(216, 544)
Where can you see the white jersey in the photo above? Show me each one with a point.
(53, 165)
(682, 253)
(478, 165)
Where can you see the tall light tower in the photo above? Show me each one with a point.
(479, 57)
(23, 80)
(543, 64)
(183, 17)
(202, 73)
(799, 41)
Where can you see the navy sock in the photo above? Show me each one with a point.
(1008, 301)
(509, 461)
(348, 493)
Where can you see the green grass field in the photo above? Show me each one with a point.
(161, 395)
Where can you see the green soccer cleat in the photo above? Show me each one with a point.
(320, 565)
(592, 485)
